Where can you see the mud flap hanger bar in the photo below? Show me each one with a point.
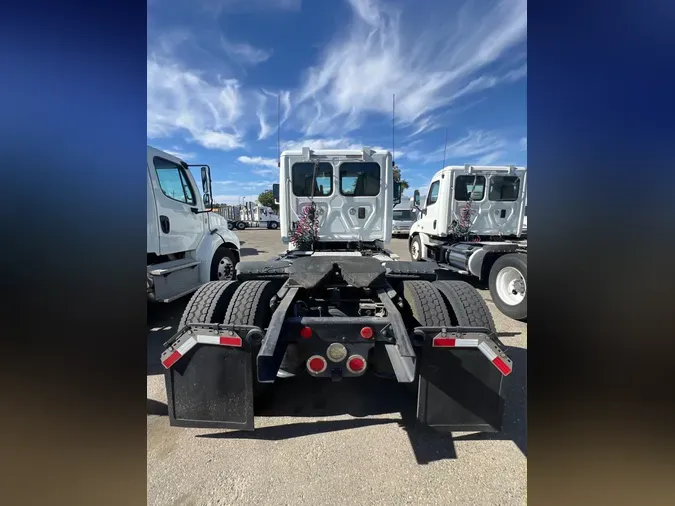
(401, 355)
(208, 333)
(468, 337)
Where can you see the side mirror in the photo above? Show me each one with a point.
(416, 198)
(397, 192)
(275, 192)
(206, 186)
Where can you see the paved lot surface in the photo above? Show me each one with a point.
(327, 448)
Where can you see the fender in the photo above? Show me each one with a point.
(213, 240)
(424, 239)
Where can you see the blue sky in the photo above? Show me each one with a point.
(216, 68)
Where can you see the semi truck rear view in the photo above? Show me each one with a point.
(336, 306)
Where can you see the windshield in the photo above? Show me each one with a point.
(403, 215)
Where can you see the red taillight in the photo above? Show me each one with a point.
(356, 364)
(317, 364)
(230, 341)
(305, 332)
(366, 332)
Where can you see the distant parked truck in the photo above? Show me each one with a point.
(404, 216)
(236, 217)
(187, 244)
(257, 216)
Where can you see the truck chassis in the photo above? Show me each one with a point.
(336, 316)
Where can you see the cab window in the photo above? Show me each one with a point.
(469, 186)
(302, 174)
(504, 188)
(432, 197)
(174, 182)
(360, 179)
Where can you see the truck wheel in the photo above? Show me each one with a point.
(209, 303)
(426, 303)
(416, 249)
(222, 265)
(241, 225)
(274, 225)
(508, 285)
(230, 226)
(250, 305)
(465, 304)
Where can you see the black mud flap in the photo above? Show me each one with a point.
(459, 390)
(211, 387)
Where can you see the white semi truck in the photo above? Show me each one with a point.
(473, 222)
(187, 244)
(336, 305)
(257, 216)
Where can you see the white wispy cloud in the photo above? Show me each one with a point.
(258, 160)
(179, 153)
(218, 7)
(331, 143)
(265, 129)
(263, 172)
(182, 101)
(490, 158)
(426, 69)
(245, 53)
(474, 144)
(272, 105)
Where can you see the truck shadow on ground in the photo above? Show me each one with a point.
(375, 396)
(249, 252)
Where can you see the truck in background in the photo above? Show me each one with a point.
(404, 216)
(473, 223)
(187, 244)
(233, 216)
(336, 305)
(257, 216)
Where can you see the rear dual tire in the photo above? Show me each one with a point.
(447, 303)
(250, 305)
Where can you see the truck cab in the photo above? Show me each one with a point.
(353, 192)
(495, 194)
(187, 244)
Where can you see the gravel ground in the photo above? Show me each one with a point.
(333, 449)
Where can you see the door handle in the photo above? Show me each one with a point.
(164, 223)
(362, 213)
